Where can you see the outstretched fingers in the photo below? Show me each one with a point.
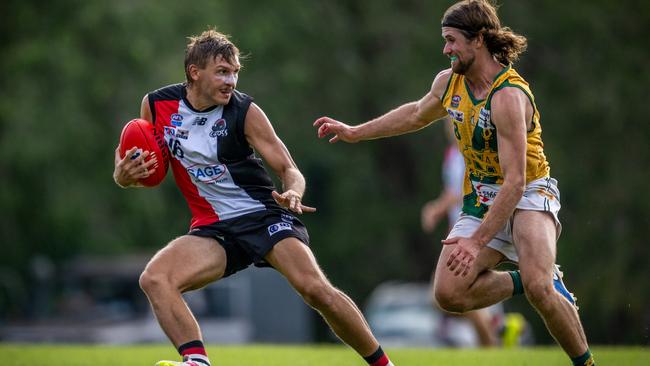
(292, 201)
(328, 126)
(304, 208)
(450, 241)
(320, 121)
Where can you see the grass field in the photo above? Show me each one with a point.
(270, 355)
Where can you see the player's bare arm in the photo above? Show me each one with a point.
(510, 111)
(509, 116)
(128, 171)
(407, 118)
(145, 109)
(262, 137)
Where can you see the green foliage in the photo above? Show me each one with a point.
(73, 77)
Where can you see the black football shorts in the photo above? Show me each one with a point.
(248, 238)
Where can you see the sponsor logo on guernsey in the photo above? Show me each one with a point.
(208, 173)
(280, 226)
(486, 193)
(170, 131)
(455, 101)
(199, 121)
(182, 134)
(219, 129)
(456, 115)
(176, 119)
(484, 120)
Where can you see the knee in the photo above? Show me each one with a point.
(539, 291)
(318, 294)
(152, 281)
(449, 299)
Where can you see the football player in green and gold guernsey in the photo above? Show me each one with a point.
(510, 200)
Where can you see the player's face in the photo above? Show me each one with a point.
(458, 49)
(218, 79)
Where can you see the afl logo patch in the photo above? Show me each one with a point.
(219, 129)
(176, 119)
(455, 101)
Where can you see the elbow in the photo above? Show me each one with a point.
(515, 184)
(519, 186)
(418, 118)
(418, 122)
(520, 189)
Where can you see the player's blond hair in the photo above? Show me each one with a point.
(208, 45)
(479, 17)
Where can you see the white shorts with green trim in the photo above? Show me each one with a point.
(540, 195)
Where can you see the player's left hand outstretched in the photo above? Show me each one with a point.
(462, 257)
(329, 126)
(292, 201)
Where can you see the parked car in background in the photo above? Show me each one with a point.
(98, 300)
(402, 314)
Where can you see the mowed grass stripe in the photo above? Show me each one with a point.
(308, 355)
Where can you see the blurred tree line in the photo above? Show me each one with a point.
(73, 72)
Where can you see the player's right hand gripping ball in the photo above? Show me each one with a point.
(142, 134)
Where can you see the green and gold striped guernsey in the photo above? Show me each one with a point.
(477, 139)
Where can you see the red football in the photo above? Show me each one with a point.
(142, 134)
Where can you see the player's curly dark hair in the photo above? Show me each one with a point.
(479, 17)
(208, 45)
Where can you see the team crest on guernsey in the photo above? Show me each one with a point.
(176, 119)
(219, 129)
(455, 101)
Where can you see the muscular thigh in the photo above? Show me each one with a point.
(295, 261)
(189, 262)
(488, 258)
(534, 235)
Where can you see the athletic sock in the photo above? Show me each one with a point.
(516, 281)
(194, 351)
(585, 360)
(379, 358)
